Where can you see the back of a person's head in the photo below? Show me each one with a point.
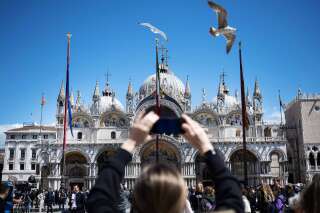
(159, 189)
(4, 188)
(310, 201)
(199, 188)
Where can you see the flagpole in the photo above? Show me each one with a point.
(65, 113)
(40, 137)
(157, 99)
(280, 103)
(244, 119)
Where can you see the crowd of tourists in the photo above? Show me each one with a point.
(36, 200)
(268, 198)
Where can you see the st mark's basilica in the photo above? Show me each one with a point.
(101, 128)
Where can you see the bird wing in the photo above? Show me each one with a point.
(221, 12)
(230, 37)
(154, 30)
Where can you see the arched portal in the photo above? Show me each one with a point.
(76, 169)
(103, 157)
(168, 154)
(203, 174)
(237, 166)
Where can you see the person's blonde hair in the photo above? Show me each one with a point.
(160, 188)
(199, 188)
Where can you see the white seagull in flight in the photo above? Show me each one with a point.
(154, 29)
(223, 28)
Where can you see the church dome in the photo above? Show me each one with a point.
(170, 84)
(107, 103)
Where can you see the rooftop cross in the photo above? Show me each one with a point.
(222, 76)
(107, 75)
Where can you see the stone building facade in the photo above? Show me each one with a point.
(100, 129)
(303, 125)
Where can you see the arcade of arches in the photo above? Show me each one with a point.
(78, 169)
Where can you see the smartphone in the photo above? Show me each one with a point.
(168, 126)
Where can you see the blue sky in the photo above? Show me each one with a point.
(280, 48)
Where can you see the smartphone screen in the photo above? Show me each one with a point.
(168, 126)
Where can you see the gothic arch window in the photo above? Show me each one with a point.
(60, 104)
(311, 159)
(113, 135)
(79, 136)
(275, 164)
(267, 132)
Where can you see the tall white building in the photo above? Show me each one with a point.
(100, 129)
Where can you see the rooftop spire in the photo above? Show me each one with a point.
(107, 91)
(187, 92)
(164, 59)
(248, 102)
(204, 96)
(61, 93)
(130, 89)
(78, 101)
(96, 92)
(222, 89)
(256, 92)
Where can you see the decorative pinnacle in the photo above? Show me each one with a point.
(61, 93)
(69, 35)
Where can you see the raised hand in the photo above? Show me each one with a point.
(139, 132)
(196, 135)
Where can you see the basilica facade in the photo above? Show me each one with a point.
(99, 130)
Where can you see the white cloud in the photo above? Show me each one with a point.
(274, 116)
(5, 127)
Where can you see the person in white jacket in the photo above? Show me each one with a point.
(41, 201)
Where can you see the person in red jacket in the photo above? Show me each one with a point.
(160, 188)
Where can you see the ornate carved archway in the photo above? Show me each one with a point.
(168, 154)
(237, 166)
(76, 165)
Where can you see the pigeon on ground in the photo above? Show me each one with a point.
(223, 28)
